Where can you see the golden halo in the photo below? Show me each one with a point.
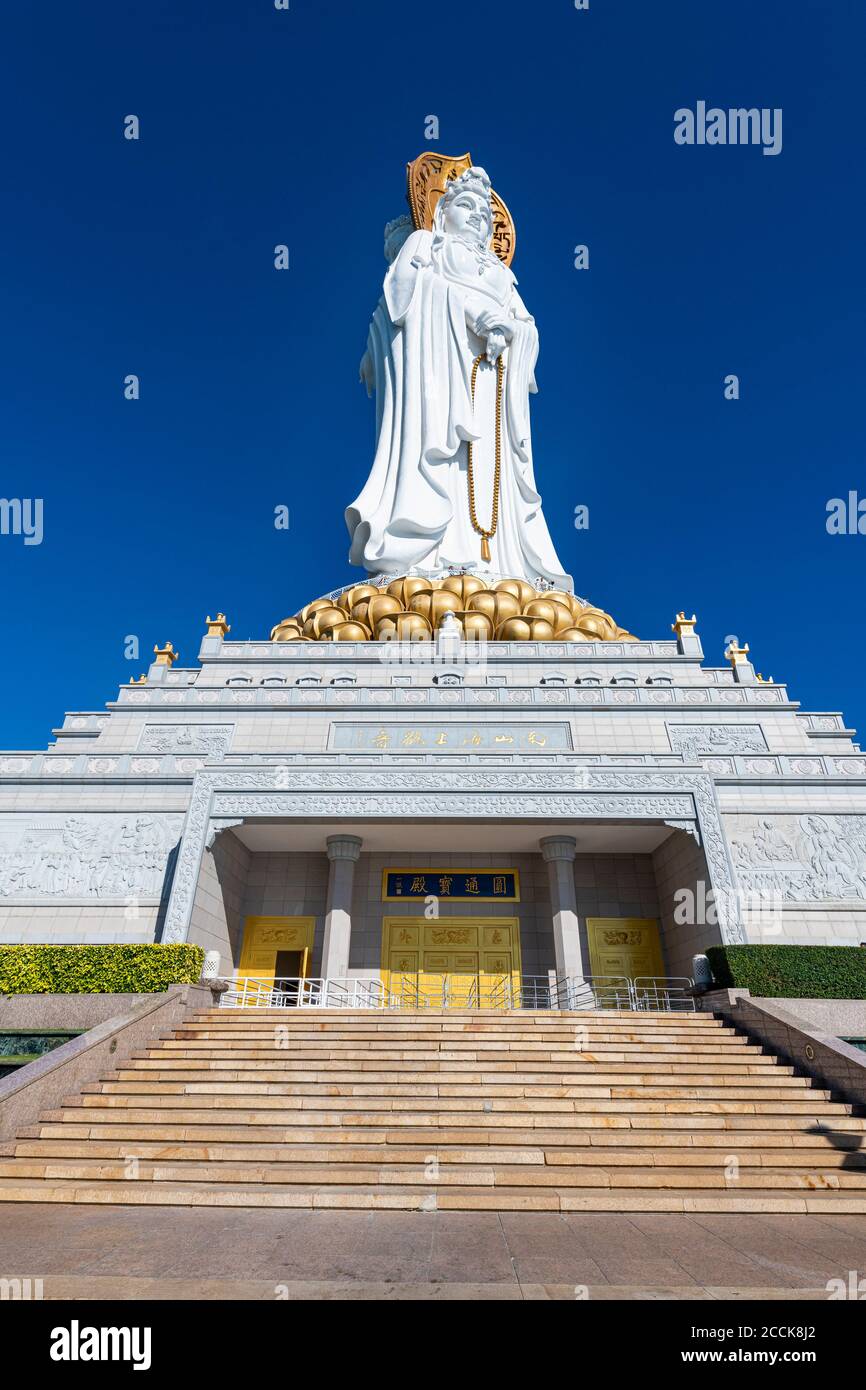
(426, 178)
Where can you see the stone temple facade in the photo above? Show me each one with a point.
(342, 808)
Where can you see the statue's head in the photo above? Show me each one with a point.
(464, 210)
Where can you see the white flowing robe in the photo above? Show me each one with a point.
(413, 513)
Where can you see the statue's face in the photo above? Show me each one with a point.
(467, 216)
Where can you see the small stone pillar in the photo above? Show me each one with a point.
(688, 641)
(559, 852)
(343, 852)
(164, 659)
(741, 667)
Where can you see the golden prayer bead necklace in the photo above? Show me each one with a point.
(486, 535)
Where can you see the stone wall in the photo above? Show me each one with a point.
(679, 864)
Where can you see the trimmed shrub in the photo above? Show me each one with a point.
(791, 972)
(89, 969)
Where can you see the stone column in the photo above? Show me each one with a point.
(343, 852)
(559, 852)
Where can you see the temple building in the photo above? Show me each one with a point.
(446, 810)
(454, 778)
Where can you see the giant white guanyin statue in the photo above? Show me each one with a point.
(451, 357)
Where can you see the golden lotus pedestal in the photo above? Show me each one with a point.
(413, 608)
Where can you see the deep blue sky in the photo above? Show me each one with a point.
(259, 127)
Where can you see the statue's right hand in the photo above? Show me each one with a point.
(495, 346)
(490, 321)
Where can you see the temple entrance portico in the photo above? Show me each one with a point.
(445, 873)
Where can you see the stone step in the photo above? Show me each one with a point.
(292, 1074)
(429, 1173)
(198, 1085)
(598, 1100)
(367, 1061)
(646, 1129)
(772, 1080)
(438, 1042)
(387, 1058)
(426, 1199)
(370, 1032)
(429, 1118)
(474, 1017)
(800, 1157)
(580, 1065)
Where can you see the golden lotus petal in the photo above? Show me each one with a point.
(597, 625)
(434, 605)
(350, 597)
(553, 613)
(349, 632)
(314, 607)
(322, 620)
(573, 634)
(403, 627)
(521, 588)
(464, 585)
(497, 606)
(477, 626)
(525, 630)
(405, 589)
(280, 633)
(374, 607)
(560, 596)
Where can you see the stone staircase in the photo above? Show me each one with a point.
(432, 1110)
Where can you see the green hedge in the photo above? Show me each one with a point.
(791, 972)
(110, 969)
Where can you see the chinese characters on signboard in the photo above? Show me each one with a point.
(463, 885)
(451, 738)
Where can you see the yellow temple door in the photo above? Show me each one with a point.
(276, 947)
(451, 976)
(628, 946)
(469, 960)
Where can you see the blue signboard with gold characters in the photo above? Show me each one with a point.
(453, 885)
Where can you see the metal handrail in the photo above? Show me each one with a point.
(666, 993)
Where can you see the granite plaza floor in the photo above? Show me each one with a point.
(86, 1252)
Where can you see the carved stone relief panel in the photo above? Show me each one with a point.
(85, 856)
(808, 858)
(701, 740)
(213, 740)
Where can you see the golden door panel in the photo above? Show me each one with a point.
(497, 968)
(450, 950)
(266, 938)
(497, 963)
(402, 969)
(496, 937)
(452, 936)
(624, 946)
(406, 935)
(436, 964)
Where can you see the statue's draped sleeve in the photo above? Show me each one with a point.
(417, 361)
